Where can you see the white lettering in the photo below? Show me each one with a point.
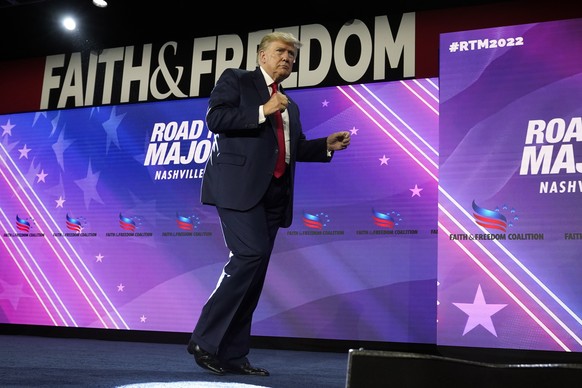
(91, 77)
(574, 131)
(535, 129)
(542, 159)
(109, 57)
(167, 75)
(555, 130)
(355, 72)
(199, 152)
(555, 187)
(158, 154)
(171, 131)
(254, 39)
(50, 82)
(138, 73)
(314, 33)
(358, 53)
(564, 160)
(228, 46)
(401, 47)
(73, 82)
(155, 154)
(200, 66)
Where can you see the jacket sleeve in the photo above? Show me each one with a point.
(227, 110)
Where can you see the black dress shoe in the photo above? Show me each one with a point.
(205, 360)
(246, 369)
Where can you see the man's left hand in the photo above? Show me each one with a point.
(338, 141)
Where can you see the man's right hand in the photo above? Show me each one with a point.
(277, 102)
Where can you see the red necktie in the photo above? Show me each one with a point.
(280, 166)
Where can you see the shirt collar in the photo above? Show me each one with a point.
(268, 79)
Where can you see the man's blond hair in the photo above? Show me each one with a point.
(278, 36)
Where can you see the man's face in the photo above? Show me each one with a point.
(278, 60)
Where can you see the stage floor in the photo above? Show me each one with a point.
(30, 361)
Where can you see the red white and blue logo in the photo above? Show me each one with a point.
(494, 219)
(315, 221)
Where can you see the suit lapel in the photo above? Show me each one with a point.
(259, 82)
(264, 95)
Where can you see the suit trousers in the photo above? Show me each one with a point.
(224, 326)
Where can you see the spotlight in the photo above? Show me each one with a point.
(69, 23)
(100, 3)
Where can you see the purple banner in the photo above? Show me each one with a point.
(510, 186)
(102, 226)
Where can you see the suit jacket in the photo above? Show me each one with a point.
(244, 152)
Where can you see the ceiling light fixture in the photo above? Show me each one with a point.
(69, 23)
(100, 3)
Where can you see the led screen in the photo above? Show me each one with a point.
(102, 226)
(509, 243)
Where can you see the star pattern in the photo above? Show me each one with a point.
(37, 115)
(110, 126)
(89, 187)
(60, 201)
(12, 292)
(24, 152)
(416, 191)
(479, 313)
(57, 190)
(41, 176)
(33, 171)
(74, 161)
(7, 128)
(55, 123)
(147, 208)
(9, 146)
(59, 148)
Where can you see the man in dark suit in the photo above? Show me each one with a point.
(252, 192)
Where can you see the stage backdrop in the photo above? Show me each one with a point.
(510, 237)
(102, 226)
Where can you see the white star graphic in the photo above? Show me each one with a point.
(7, 128)
(143, 318)
(324, 103)
(33, 171)
(384, 160)
(24, 152)
(60, 201)
(89, 186)
(146, 208)
(37, 115)
(13, 293)
(99, 258)
(59, 148)
(55, 123)
(120, 287)
(354, 130)
(479, 313)
(9, 146)
(41, 176)
(416, 191)
(110, 127)
(93, 109)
